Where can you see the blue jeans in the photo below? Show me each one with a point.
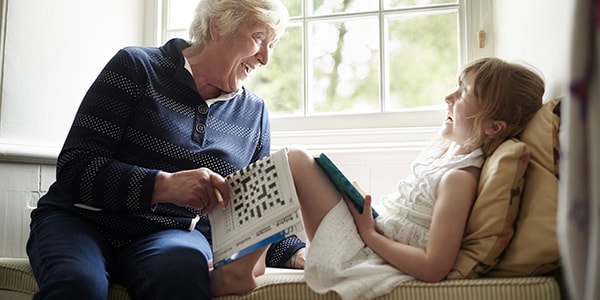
(71, 260)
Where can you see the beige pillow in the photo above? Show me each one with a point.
(534, 248)
(490, 226)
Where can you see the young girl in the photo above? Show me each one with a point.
(420, 227)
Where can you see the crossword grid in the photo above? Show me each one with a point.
(260, 194)
(263, 208)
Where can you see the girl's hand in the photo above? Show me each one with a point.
(365, 224)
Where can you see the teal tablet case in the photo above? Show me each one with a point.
(341, 182)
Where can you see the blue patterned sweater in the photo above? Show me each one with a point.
(144, 114)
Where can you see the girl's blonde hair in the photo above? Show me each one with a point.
(229, 14)
(506, 92)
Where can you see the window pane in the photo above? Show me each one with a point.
(182, 34)
(390, 4)
(294, 7)
(422, 52)
(320, 7)
(344, 57)
(280, 82)
(181, 13)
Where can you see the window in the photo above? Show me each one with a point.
(356, 64)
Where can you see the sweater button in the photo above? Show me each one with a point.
(200, 128)
(203, 109)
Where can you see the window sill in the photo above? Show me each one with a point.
(11, 152)
(356, 140)
(368, 140)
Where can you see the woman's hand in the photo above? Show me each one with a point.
(365, 224)
(190, 188)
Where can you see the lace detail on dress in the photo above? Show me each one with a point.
(406, 214)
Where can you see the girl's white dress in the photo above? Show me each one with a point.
(339, 261)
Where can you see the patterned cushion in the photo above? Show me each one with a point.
(534, 248)
(490, 226)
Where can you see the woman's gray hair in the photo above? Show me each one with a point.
(229, 14)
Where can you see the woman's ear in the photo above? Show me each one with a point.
(494, 127)
(214, 31)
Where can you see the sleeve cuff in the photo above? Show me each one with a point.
(279, 253)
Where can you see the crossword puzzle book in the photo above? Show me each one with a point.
(263, 208)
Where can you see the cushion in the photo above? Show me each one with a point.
(534, 248)
(16, 282)
(490, 226)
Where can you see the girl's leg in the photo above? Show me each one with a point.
(69, 258)
(316, 193)
(170, 264)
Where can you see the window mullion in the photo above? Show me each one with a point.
(306, 63)
(383, 69)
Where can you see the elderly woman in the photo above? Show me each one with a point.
(152, 139)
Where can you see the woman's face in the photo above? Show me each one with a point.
(462, 105)
(242, 52)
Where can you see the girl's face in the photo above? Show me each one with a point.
(242, 52)
(462, 105)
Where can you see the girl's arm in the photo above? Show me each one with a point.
(456, 193)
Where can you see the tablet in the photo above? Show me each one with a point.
(342, 183)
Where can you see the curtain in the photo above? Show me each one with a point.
(579, 189)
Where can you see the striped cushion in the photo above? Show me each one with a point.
(15, 275)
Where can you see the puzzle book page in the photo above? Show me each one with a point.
(263, 208)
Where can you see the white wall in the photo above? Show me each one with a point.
(53, 52)
(20, 188)
(539, 33)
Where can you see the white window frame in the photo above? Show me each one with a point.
(410, 129)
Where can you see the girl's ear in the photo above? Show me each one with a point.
(494, 127)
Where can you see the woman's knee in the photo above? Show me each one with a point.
(73, 281)
(167, 265)
(182, 260)
(175, 274)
